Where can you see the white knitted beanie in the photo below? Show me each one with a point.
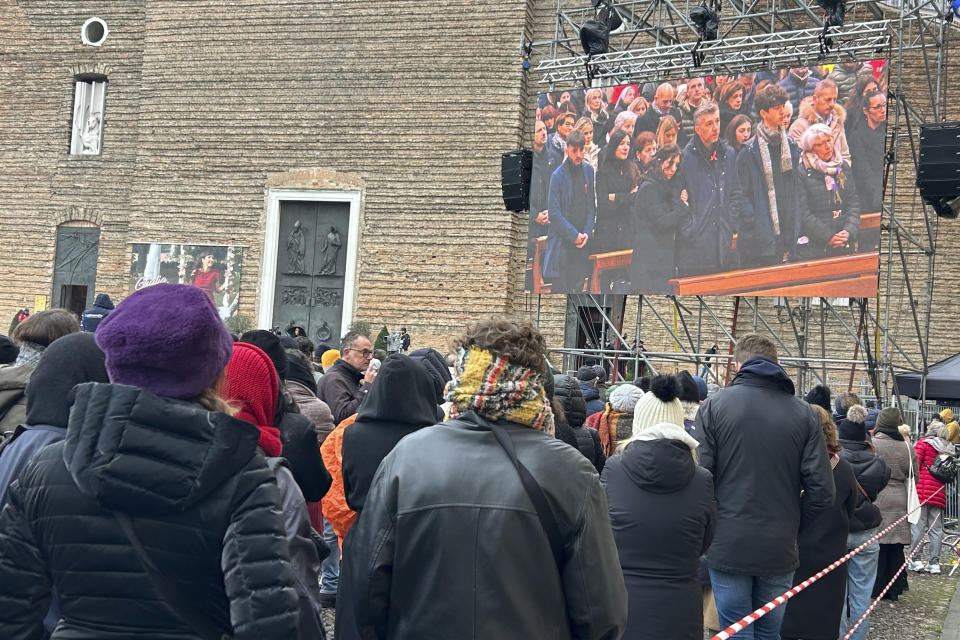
(660, 404)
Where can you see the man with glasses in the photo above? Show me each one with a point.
(664, 104)
(867, 150)
(344, 386)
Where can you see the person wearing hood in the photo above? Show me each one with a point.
(449, 542)
(815, 613)
(872, 474)
(91, 318)
(932, 495)
(663, 517)
(892, 502)
(253, 386)
(763, 445)
(154, 455)
(31, 337)
(567, 392)
(436, 366)
(589, 379)
(401, 400)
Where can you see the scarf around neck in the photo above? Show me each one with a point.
(498, 390)
(832, 170)
(766, 137)
(30, 353)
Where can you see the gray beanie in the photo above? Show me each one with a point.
(625, 397)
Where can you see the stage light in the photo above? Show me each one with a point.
(834, 12)
(595, 34)
(707, 21)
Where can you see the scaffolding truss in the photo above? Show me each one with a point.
(887, 335)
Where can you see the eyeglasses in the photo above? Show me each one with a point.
(882, 105)
(366, 353)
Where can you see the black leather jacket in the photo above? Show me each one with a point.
(452, 545)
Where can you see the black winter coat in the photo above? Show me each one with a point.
(867, 152)
(820, 222)
(447, 503)
(568, 391)
(614, 220)
(202, 499)
(763, 446)
(401, 400)
(814, 613)
(873, 474)
(342, 390)
(657, 214)
(662, 514)
(92, 317)
(301, 449)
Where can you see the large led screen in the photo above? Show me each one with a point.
(766, 183)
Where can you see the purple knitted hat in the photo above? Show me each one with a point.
(167, 339)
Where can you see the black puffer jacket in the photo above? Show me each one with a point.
(873, 474)
(829, 212)
(763, 446)
(567, 390)
(203, 501)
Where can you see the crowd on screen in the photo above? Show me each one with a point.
(707, 175)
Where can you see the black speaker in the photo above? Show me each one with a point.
(515, 168)
(938, 167)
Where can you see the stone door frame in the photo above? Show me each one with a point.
(271, 243)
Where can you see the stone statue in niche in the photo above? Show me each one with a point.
(329, 250)
(296, 247)
(90, 134)
(323, 331)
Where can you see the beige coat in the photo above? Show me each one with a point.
(892, 501)
(312, 407)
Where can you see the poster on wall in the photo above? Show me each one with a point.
(214, 268)
(766, 183)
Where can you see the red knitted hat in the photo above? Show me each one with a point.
(251, 382)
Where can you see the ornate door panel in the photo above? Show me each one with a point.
(311, 268)
(75, 267)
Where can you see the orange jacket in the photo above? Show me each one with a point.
(334, 504)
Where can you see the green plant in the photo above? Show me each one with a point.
(381, 341)
(238, 323)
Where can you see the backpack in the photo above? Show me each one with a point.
(944, 468)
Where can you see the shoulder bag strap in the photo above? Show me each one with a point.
(197, 621)
(535, 493)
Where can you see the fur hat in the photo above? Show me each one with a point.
(820, 395)
(689, 392)
(852, 427)
(328, 358)
(167, 339)
(660, 404)
(625, 397)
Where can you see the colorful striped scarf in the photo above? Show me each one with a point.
(498, 390)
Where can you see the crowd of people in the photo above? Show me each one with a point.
(164, 478)
(706, 175)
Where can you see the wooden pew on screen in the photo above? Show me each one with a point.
(849, 276)
(539, 246)
(606, 261)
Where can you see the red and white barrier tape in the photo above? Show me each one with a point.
(892, 580)
(749, 619)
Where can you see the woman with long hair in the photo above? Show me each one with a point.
(181, 533)
(855, 102)
(595, 110)
(667, 131)
(832, 218)
(660, 208)
(617, 180)
(814, 614)
(591, 152)
(205, 275)
(738, 131)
